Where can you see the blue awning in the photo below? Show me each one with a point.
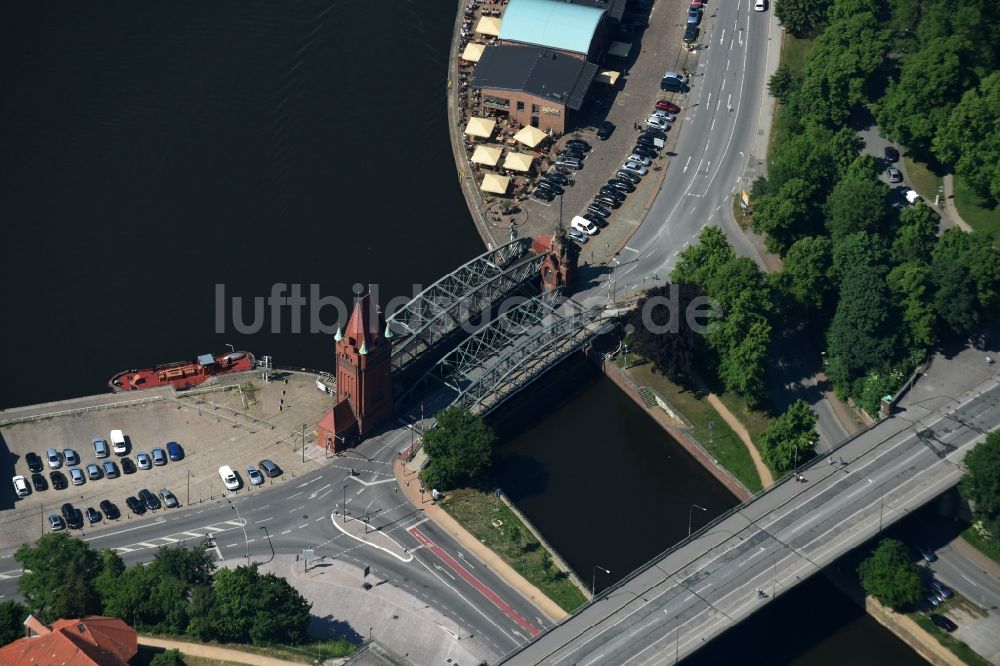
(206, 359)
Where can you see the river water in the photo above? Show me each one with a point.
(152, 152)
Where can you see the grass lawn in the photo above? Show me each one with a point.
(970, 207)
(720, 441)
(793, 54)
(307, 653)
(754, 420)
(924, 181)
(957, 647)
(514, 542)
(147, 653)
(989, 548)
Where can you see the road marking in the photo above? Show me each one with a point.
(191, 534)
(295, 495)
(686, 164)
(969, 579)
(263, 520)
(316, 492)
(158, 521)
(632, 249)
(146, 544)
(325, 494)
(303, 485)
(298, 508)
(169, 539)
(285, 532)
(723, 37)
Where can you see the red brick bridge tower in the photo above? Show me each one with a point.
(363, 369)
(559, 266)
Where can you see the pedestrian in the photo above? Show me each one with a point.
(842, 460)
(989, 361)
(831, 460)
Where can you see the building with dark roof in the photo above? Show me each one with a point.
(90, 641)
(534, 86)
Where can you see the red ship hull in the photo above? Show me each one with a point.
(183, 374)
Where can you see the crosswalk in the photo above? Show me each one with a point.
(199, 533)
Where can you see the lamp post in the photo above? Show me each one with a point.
(593, 579)
(677, 637)
(690, 512)
(881, 507)
(243, 525)
(345, 503)
(774, 573)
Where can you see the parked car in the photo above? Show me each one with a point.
(135, 505)
(647, 142)
(174, 451)
(76, 475)
(694, 16)
(143, 461)
(70, 457)
(149, 499)
(56, 522)
(690, 34)
(943, 590)
(604, 200)
(118, 443)
(645, 151)
(571, 152)
(759, 5)
(609, 191)
(926, 554)
(934, 599)
(58, 480)
(605, 131)
(571, 162)
(668, 106)
(656, 121)
(93, 515)
(93, 471)
(39, 482)
(554, 188)
(169, 499)
(101, 449)
(578, 236)
(895, 176)
(72, 516)
(673, 81)
(21, 487)
(579, 143)
(635, 167)
(943, 622)
(110, 469)
(542, 195)
(269, 468)
(584, 226)
(34, 461)
(111, 511)
(631, 177)
(644, 161)
(159, 456)
(597, 209)
(558, 178)
(54, 459)
(666, 115)
(254, 475)
(654, 133)
(596, 219)
(890, 154)
(621, 184)
(128, 467)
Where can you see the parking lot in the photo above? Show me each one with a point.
(657, 49)
(220, 427)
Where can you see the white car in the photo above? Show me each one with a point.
(636, 168)
(758, 5)
(21, 486)
(669, 117)
(656, 121)
(584, 225)
(644, 161)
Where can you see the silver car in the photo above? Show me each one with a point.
(635, 167)
(895, 176)
(142, 460)
(77, 475)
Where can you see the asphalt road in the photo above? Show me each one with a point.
(702, 588)
(299, 515)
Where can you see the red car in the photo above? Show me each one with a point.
(669, 107)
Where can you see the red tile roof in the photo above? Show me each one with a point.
(90, 641)
(360, 326)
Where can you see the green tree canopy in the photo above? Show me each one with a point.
(781, 84)
(787, 215)
(976, 253)
(856, 206)
(789, 438)
(247, 608)
(660, 330)
(806, 278)
(916, 235)
(862, 334)
(460, 449)
(744, 362)
(955, 299)
(168, 658)
(859, 250)
(698, 263)
(911, 286)
(981, 483)
(970, 138)
(59, 583)
(802, 18)
(12, 615)
(891, 576)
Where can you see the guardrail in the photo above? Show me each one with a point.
(82, 410)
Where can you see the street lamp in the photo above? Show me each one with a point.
(345, 503)
(593, 580)
(881, 507)
(244, 526)
(690, 511)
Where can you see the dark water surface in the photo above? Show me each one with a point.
(151, 151)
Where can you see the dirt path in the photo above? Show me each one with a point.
(766, 478)
(217, 653)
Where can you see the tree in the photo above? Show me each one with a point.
(261, 609)
(744, 364)
(858, 250)
(460, 449)
(787, 215)
(806, 278)
(660, 331)
(976, 253)
(781, 84)
(911, 286)
(856, 206)
(58, 584)
(981, 484)
(890, 575)
(168, 658)
(699, 262)
(802, 18)
(955, 300)
(862, 334)
(789, 438)
(970, 139)
(916, 234)
(12, 615)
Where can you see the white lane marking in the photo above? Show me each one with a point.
(263, 520)
(723, 37)
(298, 508)
(158, 521)
(686, 164)
(303, 485)
(295, 495)
(325, 494)
(286, 532)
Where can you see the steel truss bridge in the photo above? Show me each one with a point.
(511, 351)
(451, 306)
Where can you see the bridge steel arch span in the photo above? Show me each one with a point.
(511, 352)
(440, 309)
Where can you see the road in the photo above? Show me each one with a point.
(706, 585)
(299, 514)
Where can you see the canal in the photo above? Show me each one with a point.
(152, 152)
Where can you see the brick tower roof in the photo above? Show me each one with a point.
(365, 324)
